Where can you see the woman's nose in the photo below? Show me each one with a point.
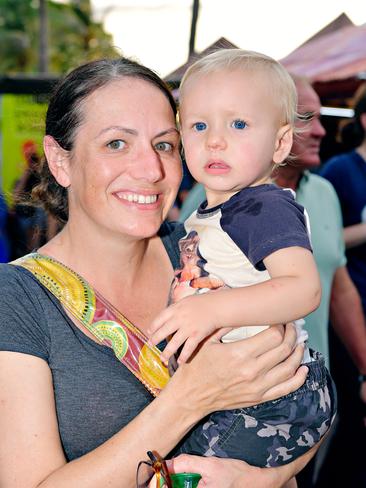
(148, 166)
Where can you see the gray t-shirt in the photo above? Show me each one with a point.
(95, 394)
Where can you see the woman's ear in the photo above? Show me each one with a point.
(58, 161)
(284, 141)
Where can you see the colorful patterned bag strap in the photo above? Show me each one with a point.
(106, 323)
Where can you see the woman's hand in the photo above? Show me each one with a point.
(244, 373)
(231, 473)
(218, 473)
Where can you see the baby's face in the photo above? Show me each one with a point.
(230, 126)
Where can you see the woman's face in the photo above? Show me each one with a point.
(125, 168)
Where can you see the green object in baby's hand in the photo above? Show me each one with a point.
(184, 480)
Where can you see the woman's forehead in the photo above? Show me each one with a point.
(128, 88)
(128, 102)
(128, 97)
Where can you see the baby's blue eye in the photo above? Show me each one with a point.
(238, 124)
(198, 126)
(116, 144)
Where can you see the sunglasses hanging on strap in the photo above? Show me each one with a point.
(100, 318)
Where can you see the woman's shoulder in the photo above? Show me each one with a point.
(22, 312)
(12, 275)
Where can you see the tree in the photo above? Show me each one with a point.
(73, 36)
(192, 38)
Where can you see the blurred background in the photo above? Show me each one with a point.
(40, 40)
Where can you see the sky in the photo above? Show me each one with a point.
(156, 32)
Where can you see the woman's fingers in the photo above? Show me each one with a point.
(185, 463)
(288, 386)
(277, 375)
(286, 353)
(275, 336)
(224, 473)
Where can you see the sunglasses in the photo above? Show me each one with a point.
(147, 469)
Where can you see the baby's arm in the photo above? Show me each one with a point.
(293, 291)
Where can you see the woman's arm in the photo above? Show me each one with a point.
(31, 454)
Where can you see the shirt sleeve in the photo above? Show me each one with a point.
(22, 321)
(262, 223)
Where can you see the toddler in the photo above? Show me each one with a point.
(246, 261)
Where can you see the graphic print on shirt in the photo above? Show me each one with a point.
(192, 278)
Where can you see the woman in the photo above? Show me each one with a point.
(70, 413)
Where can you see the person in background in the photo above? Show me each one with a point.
(4, 239)
(193, 200)
(71, 414)
(340, 298)
(28, 223)
(347, 173)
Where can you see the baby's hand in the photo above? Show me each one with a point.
(188, 321)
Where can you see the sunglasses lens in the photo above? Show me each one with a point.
(144, 475)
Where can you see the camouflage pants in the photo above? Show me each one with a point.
(272, 433)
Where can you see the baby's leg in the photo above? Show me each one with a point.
(273, 433)
(291, 483)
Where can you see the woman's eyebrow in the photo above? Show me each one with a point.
(120, 128)
(134, 132)
(168, 131)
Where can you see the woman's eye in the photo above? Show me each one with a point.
(238, 124)
(164, 146)
(116, 144)
(199, 126)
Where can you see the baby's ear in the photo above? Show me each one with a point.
(58, 160)
(283, 146)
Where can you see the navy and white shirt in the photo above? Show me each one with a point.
(225, 245)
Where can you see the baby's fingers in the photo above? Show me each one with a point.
(188, 349)
(173, 345)
(159, 321)
(164, 332)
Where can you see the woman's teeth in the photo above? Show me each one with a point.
(136, 198)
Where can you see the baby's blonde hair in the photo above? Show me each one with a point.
(280, 82)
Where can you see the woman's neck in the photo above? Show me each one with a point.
(100, 259)
(123, 270)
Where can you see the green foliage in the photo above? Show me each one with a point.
(73, 36)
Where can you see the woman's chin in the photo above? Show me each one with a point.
(143, 230)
